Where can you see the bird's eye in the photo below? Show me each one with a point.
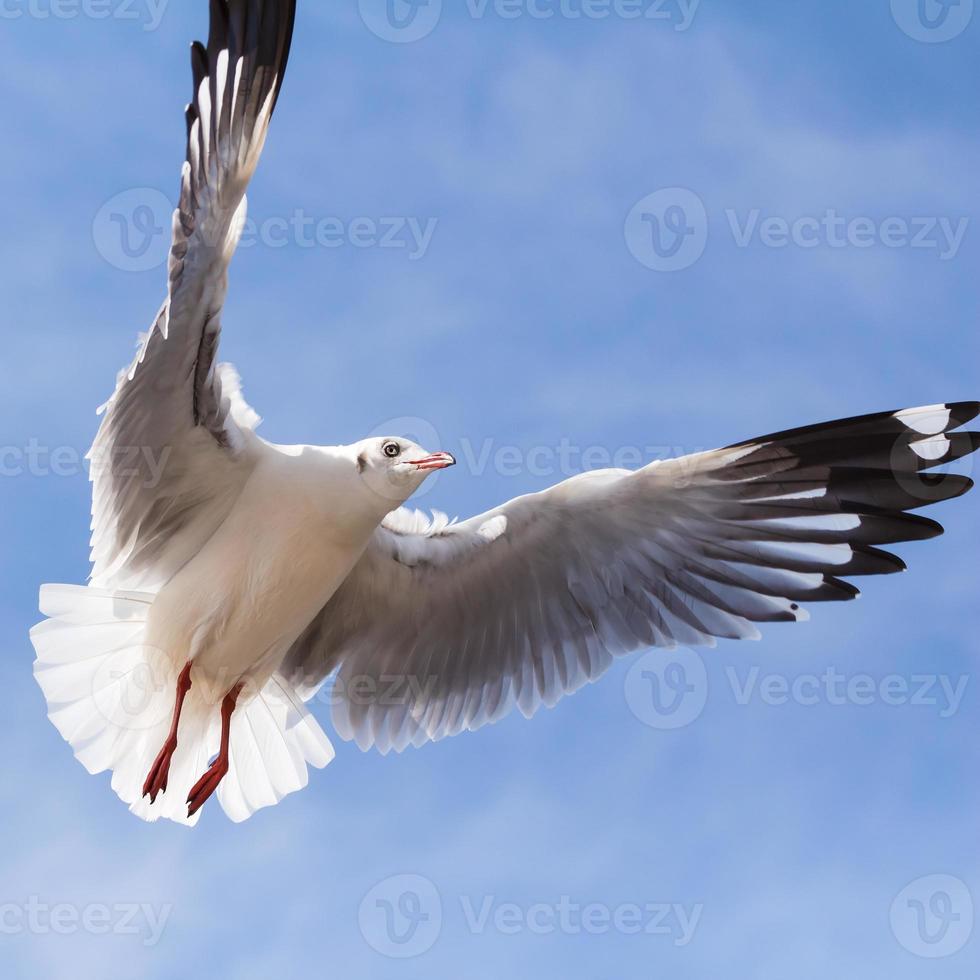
(391, 449)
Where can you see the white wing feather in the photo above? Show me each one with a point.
(446, 627)
(172, 452)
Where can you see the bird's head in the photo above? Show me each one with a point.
(395, 468)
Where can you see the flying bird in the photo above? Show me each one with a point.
(232, 578)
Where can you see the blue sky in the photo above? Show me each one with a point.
(769, 839)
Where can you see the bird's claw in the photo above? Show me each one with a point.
(156, 780)
(204, 788)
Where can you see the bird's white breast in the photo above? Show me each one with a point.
(237, 607)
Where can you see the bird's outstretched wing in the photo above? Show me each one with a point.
(446, 627)
(169, 458)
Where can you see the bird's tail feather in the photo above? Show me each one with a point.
(111, 696)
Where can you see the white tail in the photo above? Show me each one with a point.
(112, 697)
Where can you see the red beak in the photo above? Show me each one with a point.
(437, 461)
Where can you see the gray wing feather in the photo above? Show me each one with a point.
(446, 627)
(170, 455)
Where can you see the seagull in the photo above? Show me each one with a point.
(234, 579)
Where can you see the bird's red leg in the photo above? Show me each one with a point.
(208, 783)
(156, 780)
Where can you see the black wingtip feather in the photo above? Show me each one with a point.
(878, 422)
(199, 65)
(938, 487)
(218, 34)
(257, 33)
(872, 561)
(966, 443)
(894, 528)
(963, 412)
(833, 589)
(850, 592)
